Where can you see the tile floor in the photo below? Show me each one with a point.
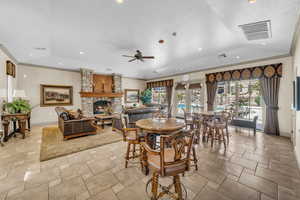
(261, 167)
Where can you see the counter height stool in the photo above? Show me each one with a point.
(171, 160)
(133, 137)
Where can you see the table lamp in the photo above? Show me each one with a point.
(19, 94)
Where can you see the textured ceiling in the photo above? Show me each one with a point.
(103, 30)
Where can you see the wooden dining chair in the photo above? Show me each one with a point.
(133, 137)
(171, 160)
(188, 120)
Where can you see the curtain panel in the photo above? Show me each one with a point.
(211, 89)
(270, 91)
(169, 90)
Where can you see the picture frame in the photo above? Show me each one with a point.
(56, 95)
(132, 95)
(10, 68)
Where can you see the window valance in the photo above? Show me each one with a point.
(195, 86)
(180, 86)
(267, 71)
(163, 83)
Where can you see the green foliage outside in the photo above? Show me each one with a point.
(146, 96)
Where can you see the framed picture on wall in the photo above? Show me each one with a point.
(132, 95)
(10, 69)
(56, 95)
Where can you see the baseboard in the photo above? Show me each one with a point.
(298, 160)
(284, 134)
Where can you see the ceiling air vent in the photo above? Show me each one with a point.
(257, 30)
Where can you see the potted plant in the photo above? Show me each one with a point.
(18, 106)
(146, 96)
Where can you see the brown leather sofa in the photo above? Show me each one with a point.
(74, 127)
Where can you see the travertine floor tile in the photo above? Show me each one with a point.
(260, 184)
(237, 191)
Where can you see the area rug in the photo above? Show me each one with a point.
(53, 145)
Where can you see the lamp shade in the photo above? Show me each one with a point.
(19, 94)
(3, 93)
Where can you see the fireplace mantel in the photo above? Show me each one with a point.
(95, 94)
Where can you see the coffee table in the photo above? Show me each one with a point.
(104, 119)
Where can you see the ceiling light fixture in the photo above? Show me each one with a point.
(237, 57)
(60, 63)
(263, 43)
(81, 52)
(120, 1)
(200, 49)
(252, 1)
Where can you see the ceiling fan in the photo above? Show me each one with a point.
(138, 56)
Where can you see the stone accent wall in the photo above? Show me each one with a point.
(87, 86)
(117, 102)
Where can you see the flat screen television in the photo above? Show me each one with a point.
(296, 92)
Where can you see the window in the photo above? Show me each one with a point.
(159, 95)
(181, 101)
(196, 105)
(242, 98)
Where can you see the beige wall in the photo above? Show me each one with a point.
(30, 78)
(3, 76)
(130, 83)
(296, 115)
(6, 82)
(285, 91)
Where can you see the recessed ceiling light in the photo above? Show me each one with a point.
(237, 57)
(81, 52)
(199, 49)
(60, 63)
(263, 43)
(120, 1)
(109, 69)
(30, 54)
(252, 1)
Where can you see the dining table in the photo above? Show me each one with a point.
(160, 126)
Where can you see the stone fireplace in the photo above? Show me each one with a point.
(88, 101)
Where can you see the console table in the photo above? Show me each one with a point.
(21, 118)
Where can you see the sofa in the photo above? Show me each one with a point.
(134, 114)
(74, 127)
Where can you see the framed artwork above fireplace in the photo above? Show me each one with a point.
(56, 95)
(132, 95)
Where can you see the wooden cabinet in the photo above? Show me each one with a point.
(103, 83)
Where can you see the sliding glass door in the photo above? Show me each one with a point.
(242, 98)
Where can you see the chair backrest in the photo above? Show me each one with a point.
(124, 124)
(178, 160)
(197, 120)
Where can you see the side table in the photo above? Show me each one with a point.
(21, 118)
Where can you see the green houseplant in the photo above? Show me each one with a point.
(146, 96)
(18, 106)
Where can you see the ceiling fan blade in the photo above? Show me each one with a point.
(128, 56)
(148, 57)
(132, 60)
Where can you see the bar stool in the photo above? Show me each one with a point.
(170, 160)
(133, 138)
(216, 129)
